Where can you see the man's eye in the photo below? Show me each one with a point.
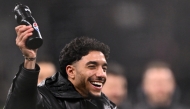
(105, 69)
(91, 66)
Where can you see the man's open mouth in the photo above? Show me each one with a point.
(97, 84)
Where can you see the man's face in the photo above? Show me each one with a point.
(115, 88)
(89, 74)
(159, 85)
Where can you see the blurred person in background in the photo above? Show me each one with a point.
(159, 89)
(47, 69)
(115, 87)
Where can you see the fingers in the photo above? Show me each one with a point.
(22, 28)
(23, 32)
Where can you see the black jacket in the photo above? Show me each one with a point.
(54, 93)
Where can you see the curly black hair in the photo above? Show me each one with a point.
(78, 48)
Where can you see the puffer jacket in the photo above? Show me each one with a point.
(54, 93)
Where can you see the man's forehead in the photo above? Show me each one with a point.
(94, 56)
(158, 73)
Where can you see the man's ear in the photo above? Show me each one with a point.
(70, 71)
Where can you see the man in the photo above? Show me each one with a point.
(115, 87)
(159, 88)
(78, 86)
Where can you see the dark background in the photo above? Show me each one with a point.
(137, 32)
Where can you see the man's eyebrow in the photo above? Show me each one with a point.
(95, 63)
(105, 64)
(92, 62)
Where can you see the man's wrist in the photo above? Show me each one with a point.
(29, 58)
(29, 62)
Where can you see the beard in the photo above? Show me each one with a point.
(92, 96)
(83, 84)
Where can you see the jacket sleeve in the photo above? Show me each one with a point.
(23, 93)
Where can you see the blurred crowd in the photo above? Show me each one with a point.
(157, 90)
(138, 32)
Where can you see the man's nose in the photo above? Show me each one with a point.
(101, 73)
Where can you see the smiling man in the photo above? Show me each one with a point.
(83, 64)
(89, 74)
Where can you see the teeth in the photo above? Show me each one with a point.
(97, 83)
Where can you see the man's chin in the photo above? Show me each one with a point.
(94, 95)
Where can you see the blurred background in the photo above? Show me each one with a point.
(137, 32)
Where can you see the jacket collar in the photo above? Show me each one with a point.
(61, 87)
